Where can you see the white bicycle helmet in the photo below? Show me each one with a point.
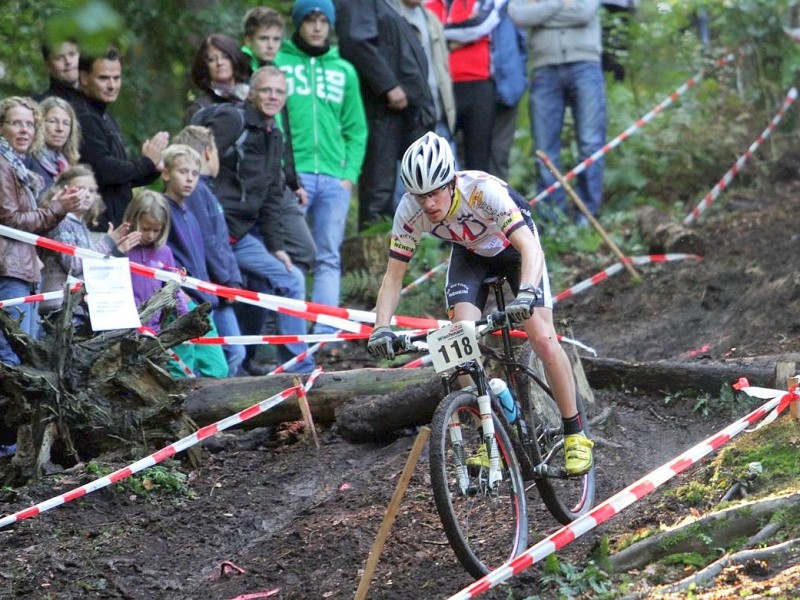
(427, 164)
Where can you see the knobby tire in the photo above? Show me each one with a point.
(485, 529)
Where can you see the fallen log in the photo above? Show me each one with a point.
(366, 404)
(210, 400)
(377, 417)
(673, 376)
(662, 234)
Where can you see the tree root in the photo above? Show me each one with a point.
(707, 575)
(712, 531)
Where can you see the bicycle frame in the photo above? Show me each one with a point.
(478, 375)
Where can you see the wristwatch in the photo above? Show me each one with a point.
(531, 289)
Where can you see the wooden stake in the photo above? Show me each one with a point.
(588, 214)
(305, 409)
(794, 407)
(388, 519)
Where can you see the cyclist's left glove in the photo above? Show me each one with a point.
(521, 308)
(381, 342)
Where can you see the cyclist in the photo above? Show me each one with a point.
(491, 232)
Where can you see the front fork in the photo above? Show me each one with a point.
(487, 423)
(457, 441)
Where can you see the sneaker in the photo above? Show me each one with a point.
(480, 458)
(578, 453)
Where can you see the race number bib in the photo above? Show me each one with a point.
(453, 345)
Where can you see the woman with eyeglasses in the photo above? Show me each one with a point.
(20, 269)
(62, 139)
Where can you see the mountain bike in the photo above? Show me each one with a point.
(483, 504)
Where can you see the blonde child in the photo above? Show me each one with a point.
(182, 167)
(148, 215)
(57, 267)
(220, 261)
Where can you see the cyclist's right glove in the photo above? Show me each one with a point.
(381, 342)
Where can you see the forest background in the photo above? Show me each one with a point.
(669, 163)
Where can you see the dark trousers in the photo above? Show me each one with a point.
(390, 133)
(475, 106)
(505, 125)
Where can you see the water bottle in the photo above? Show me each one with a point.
(502, 392)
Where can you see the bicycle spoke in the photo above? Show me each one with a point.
(566, 497)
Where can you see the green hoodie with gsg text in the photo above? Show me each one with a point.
(329, 127)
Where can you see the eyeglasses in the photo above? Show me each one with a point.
(21, 124)
(423, 198)
(65, 123)
(268, 91)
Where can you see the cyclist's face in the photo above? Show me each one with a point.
(435, 204)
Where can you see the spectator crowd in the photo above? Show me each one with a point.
(284, 128)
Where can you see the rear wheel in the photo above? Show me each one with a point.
(486, 525)
(566, 498)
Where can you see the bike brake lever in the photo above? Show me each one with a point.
(496, 320)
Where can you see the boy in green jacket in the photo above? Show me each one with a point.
(329, 135)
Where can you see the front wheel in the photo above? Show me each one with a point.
(485, 522)
(567, 498)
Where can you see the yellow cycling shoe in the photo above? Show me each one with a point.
(479, 459)
(578, 453)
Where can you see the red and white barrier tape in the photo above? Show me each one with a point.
(423, 278)
(617, 267)
(623, 499)
(153, 459)
(318, 313)
(723, 183)
(55, 295)
(582, 166)
(345, 319)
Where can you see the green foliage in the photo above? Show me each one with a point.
(166, 480)
(358, 288)
(569, 581)
(679, 155)
(729, 401)
(690, 559)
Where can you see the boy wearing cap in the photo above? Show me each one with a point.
(329, 135)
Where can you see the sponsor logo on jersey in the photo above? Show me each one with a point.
(475, 198)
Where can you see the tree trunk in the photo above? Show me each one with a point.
(213, 399)
(76, 397)
(376, 417)
(672, 376)
(663, 235)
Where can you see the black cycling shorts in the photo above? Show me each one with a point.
(468, 271)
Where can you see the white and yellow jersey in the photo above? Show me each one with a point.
(483, 213)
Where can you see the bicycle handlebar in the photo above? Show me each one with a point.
(405, 343)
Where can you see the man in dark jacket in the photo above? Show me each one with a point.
(102, 145)
(250, 187)
(393, 69)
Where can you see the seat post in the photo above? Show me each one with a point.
(495, 283)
